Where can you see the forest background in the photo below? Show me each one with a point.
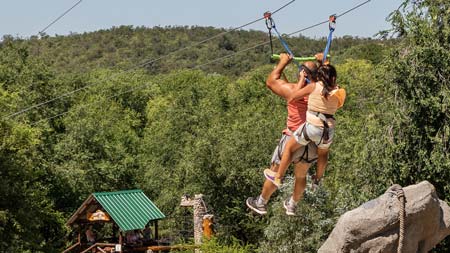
(189, 124)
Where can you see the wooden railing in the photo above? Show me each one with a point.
(157, 248)
(72, 247)
(98, 247)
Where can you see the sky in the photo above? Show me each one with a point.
(25, 18)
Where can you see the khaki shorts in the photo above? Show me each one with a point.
(306, 154)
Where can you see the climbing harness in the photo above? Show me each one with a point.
(331, 27)
(305, 156)
(326, 128)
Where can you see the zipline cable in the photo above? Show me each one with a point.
(211, 38)
(257, 45)
(352, 9)
(137, 66)
(209, 62)
(60, 16)
(40, 33)
(289, 34)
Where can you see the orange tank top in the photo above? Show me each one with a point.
(296, 114)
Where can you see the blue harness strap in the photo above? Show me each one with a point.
(285, 45)
(332, 27)
(271, 25)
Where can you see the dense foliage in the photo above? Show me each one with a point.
(174, 127)
(156, 49)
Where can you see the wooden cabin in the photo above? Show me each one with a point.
(125, 213)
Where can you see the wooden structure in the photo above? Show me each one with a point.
(127, 211)
(203, 222)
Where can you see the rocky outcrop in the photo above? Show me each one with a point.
(374, 226)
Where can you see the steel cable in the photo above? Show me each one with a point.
(137, 66)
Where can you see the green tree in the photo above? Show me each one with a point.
(28, 221)
(97, 151)
(419, 71)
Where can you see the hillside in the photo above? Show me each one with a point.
(126, 47)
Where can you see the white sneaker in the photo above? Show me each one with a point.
(290, 209)
(252, 203)
(314, 183)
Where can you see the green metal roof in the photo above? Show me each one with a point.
(130, 209)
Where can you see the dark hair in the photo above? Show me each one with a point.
(327, 75)
(311, 71)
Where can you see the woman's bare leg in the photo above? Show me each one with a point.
(291, 146)
(322, 162)
(300, 172)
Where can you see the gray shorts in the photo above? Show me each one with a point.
(306, 154)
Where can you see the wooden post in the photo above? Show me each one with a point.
(79, 237)
(156, 230)
(120, 239)
(114, 231)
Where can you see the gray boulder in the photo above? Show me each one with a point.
(374, 226)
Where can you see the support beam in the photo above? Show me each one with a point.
(156, 230)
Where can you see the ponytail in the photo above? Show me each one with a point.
(327, 75)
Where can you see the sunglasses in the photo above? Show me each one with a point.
(303, 67)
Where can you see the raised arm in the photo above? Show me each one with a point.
(298, 94)
(274, 81)
(301, 79)
(319, 58)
